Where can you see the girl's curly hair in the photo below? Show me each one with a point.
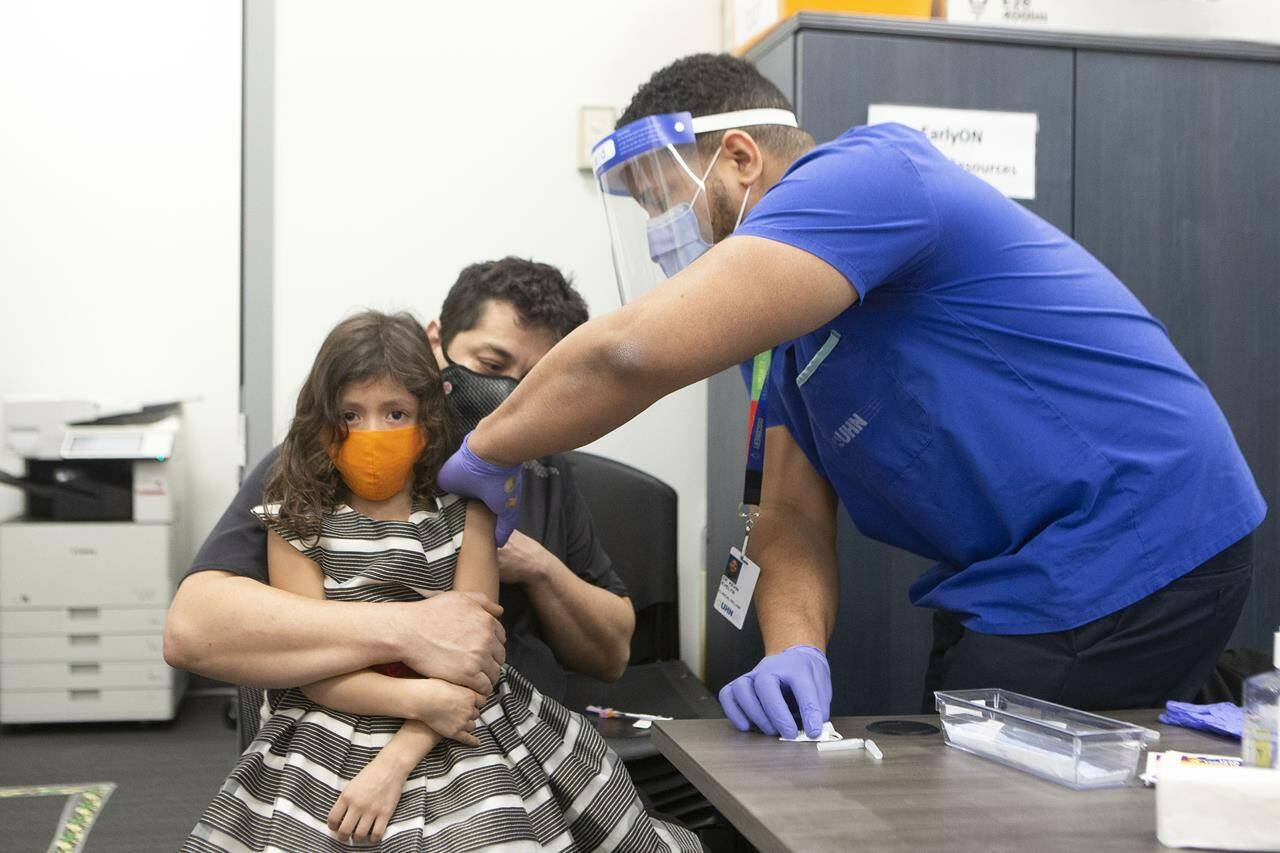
(366, 347)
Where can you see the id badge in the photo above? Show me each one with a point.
(737, 585)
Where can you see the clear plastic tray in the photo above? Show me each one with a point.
(1074, 748)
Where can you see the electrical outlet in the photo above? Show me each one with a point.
(594, 124)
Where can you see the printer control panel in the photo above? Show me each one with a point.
(114, 443)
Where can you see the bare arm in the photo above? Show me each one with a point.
(239, 630)
(743, 296)
(367, 692)
(588, 628)
(364, 691)
(359, 691)
(411, 744)
(477, 570)
(365, 806)
(794, 543)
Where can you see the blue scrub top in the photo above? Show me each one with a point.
(997, 400)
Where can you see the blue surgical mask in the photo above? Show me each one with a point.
(675, 238)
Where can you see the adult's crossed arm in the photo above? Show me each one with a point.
(241, 630)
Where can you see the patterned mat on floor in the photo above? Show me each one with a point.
(69, 829)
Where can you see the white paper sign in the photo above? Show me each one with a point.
(999, 147)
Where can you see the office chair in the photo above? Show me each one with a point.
(635, 516)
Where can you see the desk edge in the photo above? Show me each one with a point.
(737, 813)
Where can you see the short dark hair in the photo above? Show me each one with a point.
(540, 293)
(709, 83)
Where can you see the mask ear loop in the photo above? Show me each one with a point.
(743, 208)
(700, 183)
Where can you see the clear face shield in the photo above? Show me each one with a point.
(654, 187)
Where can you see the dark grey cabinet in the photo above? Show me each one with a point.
(839, 74)
(1160, 157)
(1178, 193)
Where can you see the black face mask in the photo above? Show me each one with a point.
(474, 395)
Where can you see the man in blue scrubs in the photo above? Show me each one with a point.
(967, 381)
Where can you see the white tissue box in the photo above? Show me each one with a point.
(1227, 808)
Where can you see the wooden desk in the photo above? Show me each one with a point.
(923, 796)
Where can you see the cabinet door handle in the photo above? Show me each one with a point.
(83, 612)
(80, 695)
(85, 668)
(85, 639)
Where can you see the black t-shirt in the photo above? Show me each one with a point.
(552, 512)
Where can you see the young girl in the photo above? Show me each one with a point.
(404, 763)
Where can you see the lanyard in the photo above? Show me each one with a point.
(756, 415)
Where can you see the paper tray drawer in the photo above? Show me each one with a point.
(92, 648)
(84, 705)
(84, 565)
(62, 676)
(83, 620)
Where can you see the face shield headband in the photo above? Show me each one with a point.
(654, 192)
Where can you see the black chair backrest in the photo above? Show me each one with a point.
(634, 515)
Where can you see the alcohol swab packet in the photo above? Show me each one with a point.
(828, 733)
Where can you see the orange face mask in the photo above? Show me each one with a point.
(376, 463)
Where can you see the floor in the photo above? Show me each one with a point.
(164, 775)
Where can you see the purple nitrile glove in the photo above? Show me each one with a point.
(1223, 718)
(498, 487)
(757, 697)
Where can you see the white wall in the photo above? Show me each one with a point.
(120, 215)
(415, 138)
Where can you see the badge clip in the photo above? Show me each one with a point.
(749, 513)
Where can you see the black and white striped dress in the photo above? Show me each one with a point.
(541, 779)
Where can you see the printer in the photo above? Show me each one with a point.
(88, 569)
